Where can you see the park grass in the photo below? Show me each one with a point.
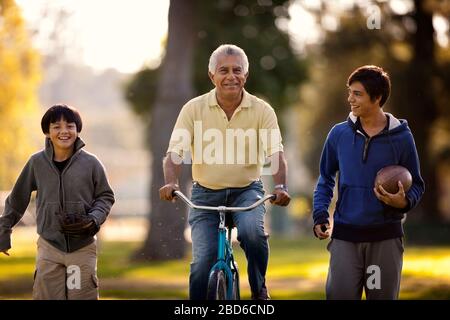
(297, 270)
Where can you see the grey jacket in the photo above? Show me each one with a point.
(81, 188)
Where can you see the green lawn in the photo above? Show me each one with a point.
(297, 270)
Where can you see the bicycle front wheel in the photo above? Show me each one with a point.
(217, 286)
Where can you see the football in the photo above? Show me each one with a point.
(389, 176)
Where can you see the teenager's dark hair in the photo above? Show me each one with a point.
(375, 80)
(58, 112)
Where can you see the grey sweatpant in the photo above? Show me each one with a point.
(374, 266)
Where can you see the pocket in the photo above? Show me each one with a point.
(74, 207)
(94, 280)
(359, 205)
(400, 244)
(47, 219)
(329, 245)
(258, 186)
(202, 196)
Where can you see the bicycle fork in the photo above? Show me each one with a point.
(225, 254)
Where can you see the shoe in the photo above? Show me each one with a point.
(262, 295)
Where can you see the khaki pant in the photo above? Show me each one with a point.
(374, 266)
(65, 276)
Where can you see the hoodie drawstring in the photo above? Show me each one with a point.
(393, 147)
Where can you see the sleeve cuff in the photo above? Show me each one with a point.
(97, 223)
(5, 241)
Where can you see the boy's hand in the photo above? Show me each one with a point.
(78, 225)
(322, 231)
(5, 252)
(396, 200)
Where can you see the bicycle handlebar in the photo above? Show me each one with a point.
(223, 208)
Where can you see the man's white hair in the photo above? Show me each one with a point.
(229, 50)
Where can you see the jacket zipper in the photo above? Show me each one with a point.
(366, 148)
(367, 141)
(61, 198)
(61, 194)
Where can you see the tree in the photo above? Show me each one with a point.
(174, 87)
(405, 47)
(19, 78)
(275, 73)
(419, 77)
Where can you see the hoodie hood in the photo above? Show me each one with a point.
(395, 126)
(49, 151)
(394, 123)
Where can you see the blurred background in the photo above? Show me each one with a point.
(130, 66)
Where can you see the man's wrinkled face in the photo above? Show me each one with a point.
(229, 77)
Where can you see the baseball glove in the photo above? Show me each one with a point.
(78, 225)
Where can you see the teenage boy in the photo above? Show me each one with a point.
(366, 247)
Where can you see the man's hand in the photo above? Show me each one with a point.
(166, 192)
(396, 200)
(282, 199)
(322, 231)
(5, 252)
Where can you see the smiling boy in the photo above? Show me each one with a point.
(367, 232)
(70, 182)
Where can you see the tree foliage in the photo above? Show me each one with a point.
(404, 46)
(158, 95)
(19, 77)
(275, 71)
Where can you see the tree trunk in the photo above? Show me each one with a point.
(420, 98)
(165, 239)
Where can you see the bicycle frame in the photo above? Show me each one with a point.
(225, 259)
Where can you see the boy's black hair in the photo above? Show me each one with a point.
(375, 80)
(58, 112)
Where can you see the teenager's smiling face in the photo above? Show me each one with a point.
(360, 103)
(62, 134)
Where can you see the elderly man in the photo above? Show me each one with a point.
(225, 172)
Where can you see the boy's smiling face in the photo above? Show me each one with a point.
(360, 102)
(62, 134)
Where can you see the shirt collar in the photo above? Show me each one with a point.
(245, 103)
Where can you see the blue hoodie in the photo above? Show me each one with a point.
(359, 215)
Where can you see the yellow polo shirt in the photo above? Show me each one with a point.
(226, 154)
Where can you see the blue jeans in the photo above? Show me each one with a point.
(204, 233)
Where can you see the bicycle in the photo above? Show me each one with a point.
(223, 283)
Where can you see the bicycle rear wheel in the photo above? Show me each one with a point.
(217, 286)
